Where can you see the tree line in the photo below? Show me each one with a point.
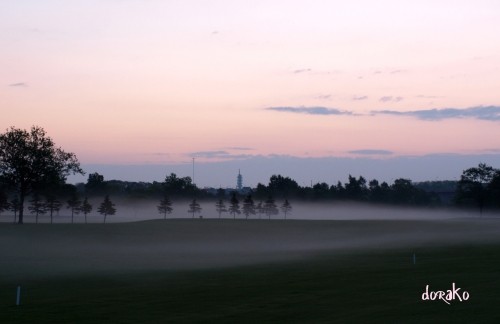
(31, 166)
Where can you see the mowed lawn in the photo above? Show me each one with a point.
(256, 271)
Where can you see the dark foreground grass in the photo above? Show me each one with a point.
(363, 287)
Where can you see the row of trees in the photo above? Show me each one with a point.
(51, 205)
(31, 164)
(249, 208)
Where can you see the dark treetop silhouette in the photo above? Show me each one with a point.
(29, 160)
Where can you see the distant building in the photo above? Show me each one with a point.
(239, 181)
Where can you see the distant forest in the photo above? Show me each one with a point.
(477, 189)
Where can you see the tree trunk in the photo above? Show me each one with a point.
(21, 207)
(105, 218)
(85, 218)
(72, 215)
(51, 218)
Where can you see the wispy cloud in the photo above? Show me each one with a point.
(311, 110)
(324, 97)
(358, 98)
(491, 113)
(301, 71)
(390, 99)
(371, 152)
(429, 97)
(239, 148)
(18, 84)
(219, 155)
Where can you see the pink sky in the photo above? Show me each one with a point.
(138, 82)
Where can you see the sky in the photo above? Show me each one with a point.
(320, 89)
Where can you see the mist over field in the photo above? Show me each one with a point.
(36, 250)
(139, 210)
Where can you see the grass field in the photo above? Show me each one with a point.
(249, 271)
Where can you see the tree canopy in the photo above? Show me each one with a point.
(30, 161)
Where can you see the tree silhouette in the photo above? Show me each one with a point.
(14, 207)
(270, 207)
(74, 203)
(494, 189)
(52, 205)
(165, 206)
(259, 209)
(286, 207)
(106, 208)
(86, 208)
(473, 185)
(248, 206)
(37, 206)
(30, 160)
(95, 183)
(220, 207)
(174, 185)
(194, 207)
(234, 205)
(4, 202)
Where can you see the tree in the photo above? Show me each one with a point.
(165, 206)
(30, 161)
(473, 185)
(248, 206)
(356, 189)
(259, 209)
(74, 203)
(282, 186)
(106, 208)
(234, 205)
(52, 205)
(86, 208)
(270, 207)
(4, 202)
(37, 206)
(286, 207)
(14, 207)
(95, 183)
(174, 185)
(220, 207)
(194, 207)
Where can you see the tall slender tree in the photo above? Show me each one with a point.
(106, 208)
(165, 206)
(270, 207)
(248, 206)
(4, 202)
(86, 208)
(74, 203)
(220, 207)
(52, 205)
(194, 207)
(234, 206)
(37, 206)
(29, 160)
(14, 207)
(286, 208)
(259, 209)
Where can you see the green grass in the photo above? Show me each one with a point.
(377, 286)
(374, 284)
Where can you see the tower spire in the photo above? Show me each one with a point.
(239, 181)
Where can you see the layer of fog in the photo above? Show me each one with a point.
(132, 211)
(53, 250)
